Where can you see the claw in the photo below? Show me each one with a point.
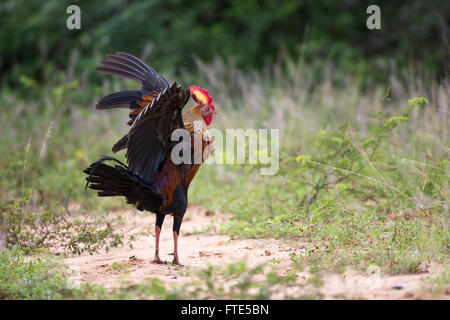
(157, 260)
(176, 262)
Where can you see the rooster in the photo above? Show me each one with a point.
(152, 181)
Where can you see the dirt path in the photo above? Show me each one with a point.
(200, 244)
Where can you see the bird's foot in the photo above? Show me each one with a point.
(157, 260)
(176, 262)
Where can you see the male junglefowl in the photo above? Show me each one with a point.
(152, 181)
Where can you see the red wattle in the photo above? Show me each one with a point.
(208, 120)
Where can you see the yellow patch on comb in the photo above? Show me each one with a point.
(200, 95)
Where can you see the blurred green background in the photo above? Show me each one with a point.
(252, 34)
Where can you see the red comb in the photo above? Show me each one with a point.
(200, 95)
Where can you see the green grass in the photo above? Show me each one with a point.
(41, 277)
(440, 284)
(315, 281)
(44, 277)
(233, 281)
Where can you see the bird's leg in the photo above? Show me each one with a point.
(157, 234)
(176, 232)
(175, 249)
(158, 226)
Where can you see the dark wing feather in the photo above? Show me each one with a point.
(148, 143)
(123, 66)
(123, 99)
(119, 71)
(127, 66)
(164, 81)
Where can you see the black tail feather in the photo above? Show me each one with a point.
(118, 180)
(93, 167)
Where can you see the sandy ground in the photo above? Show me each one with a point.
(200, 244)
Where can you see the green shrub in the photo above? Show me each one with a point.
(39, 277)
(48, 226)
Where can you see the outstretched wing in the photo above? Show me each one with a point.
(128, 66)
(149, 139)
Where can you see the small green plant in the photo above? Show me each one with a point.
(237, 281)
(439, 284)
(118, 266)
(41, 277)
(275, 260)
(315, 281)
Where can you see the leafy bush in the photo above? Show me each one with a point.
(43, 227)
(342, 156)
(40, 277)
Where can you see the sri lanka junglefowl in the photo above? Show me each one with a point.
(153, 180)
